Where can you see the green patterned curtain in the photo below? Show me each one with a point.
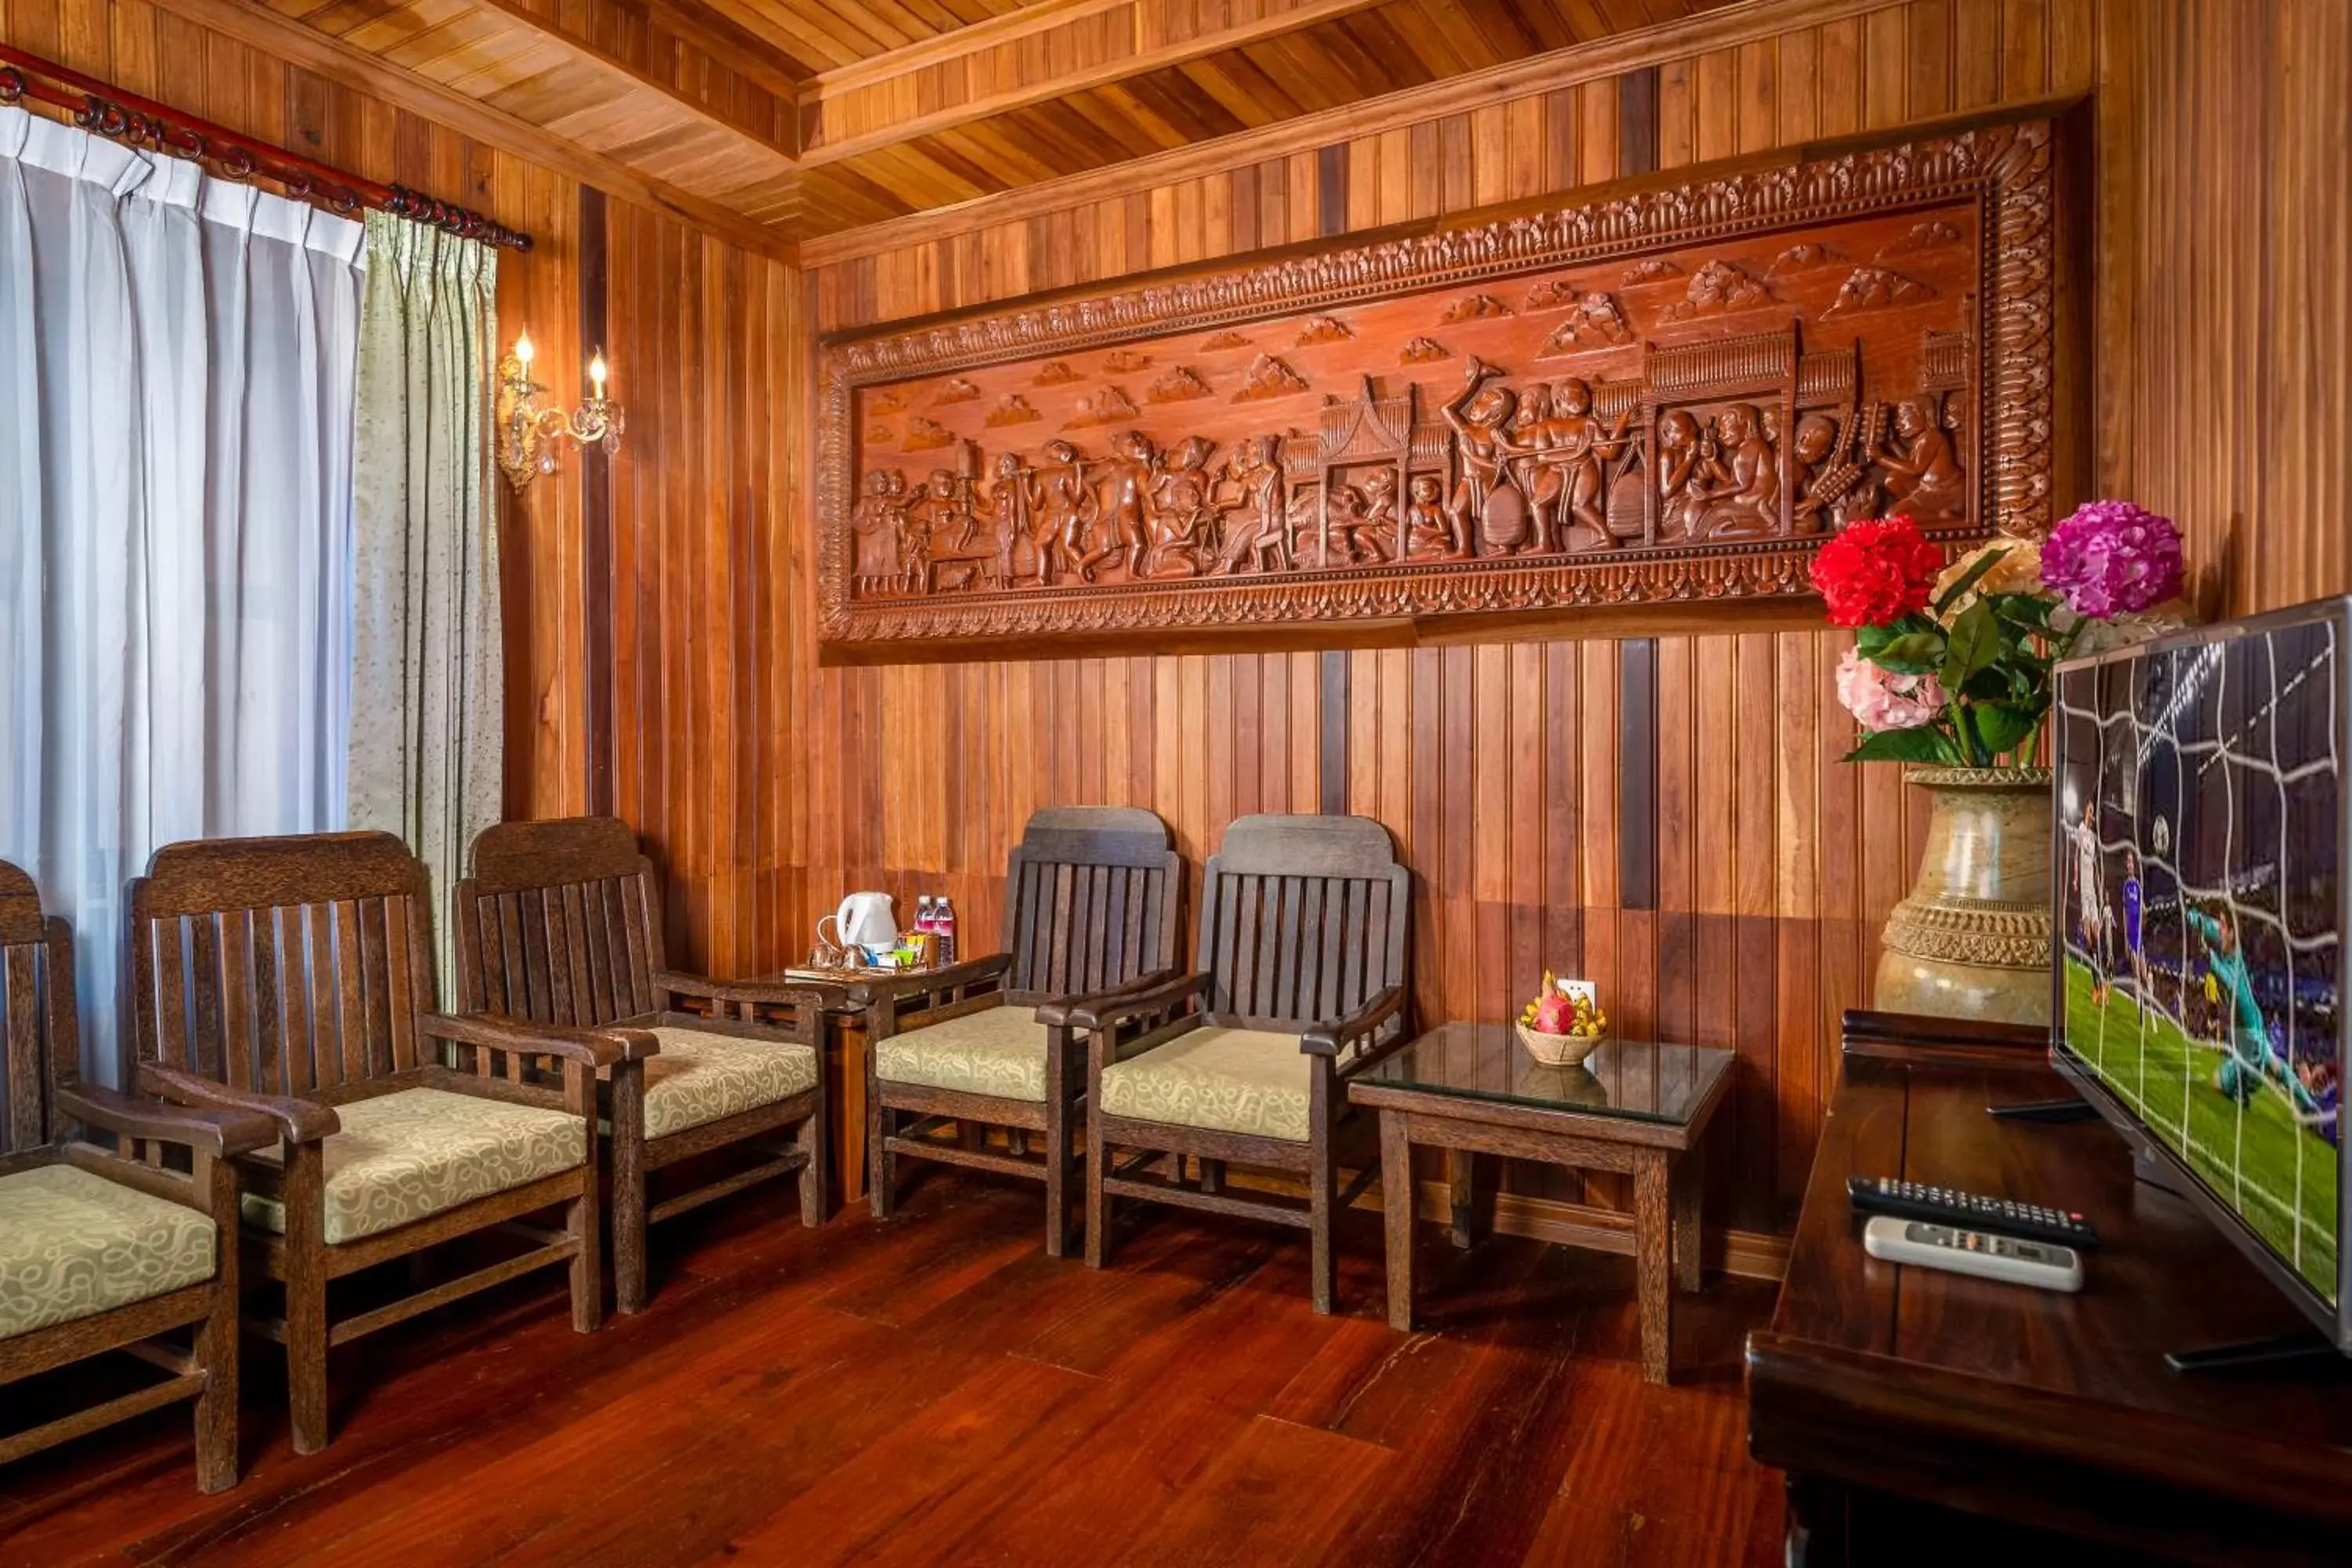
(427, 675)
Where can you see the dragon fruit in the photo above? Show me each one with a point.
(1553, 1014)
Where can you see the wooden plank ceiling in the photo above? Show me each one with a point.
(810, 117)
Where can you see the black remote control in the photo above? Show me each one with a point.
(1968, 1211)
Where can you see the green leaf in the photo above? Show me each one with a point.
(1913, 653)
(1921, 745)
(1975, 642)
(1976, 569)
(2028, 610)
(2003, 725)
(1868, 640)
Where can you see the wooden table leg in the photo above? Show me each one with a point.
(1396, 1205)
(1690, 1188)
(1462, 1182)
(1652, 1263)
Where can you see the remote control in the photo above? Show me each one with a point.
(2041, 1264)
(1968, 1211)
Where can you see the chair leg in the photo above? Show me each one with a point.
(1323, 1193)
(306, 1296)
(306, 1350)
(583, 1224)
(1057, 1178)
(216, 1353)
(881, 1173)
(810, 1139)
(1097, 1200)
(629, 1226)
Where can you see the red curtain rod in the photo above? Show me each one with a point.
(99, 108)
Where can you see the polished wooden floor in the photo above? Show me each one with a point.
(936, 1390)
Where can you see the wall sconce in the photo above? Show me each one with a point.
(529, 434)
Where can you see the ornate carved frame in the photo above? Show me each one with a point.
(2008, 169)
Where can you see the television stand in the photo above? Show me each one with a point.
(1926, 1417)
(2304, 1350)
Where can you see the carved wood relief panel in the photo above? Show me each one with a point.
(1670, 395)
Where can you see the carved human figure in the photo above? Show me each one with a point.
(1429, 528)
(1484, 500)
(1374, 536)
(1127, 509)
(1180, 515)
(1923, 475)
(1742, 479)
(873, 528)
(1832, 488)
(1579, 446)
(1065, 505)
(1681, 500)
(909, 526)
(1009, 510)
(1528, 436)
(1256, 532)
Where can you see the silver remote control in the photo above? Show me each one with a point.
(2042, 1264)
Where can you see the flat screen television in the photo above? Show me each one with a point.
(2199, 883)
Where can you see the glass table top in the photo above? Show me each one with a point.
(1641, 1081)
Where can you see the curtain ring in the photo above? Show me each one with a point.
(12, 84)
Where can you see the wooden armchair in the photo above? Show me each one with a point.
(108, 1249)
(1302, 936)
(1090, 902)
(291, 976)
(560, 924)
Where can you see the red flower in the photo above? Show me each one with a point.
(1873, 573)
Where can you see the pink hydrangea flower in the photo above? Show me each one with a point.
(1881, 699)
(2111, 558)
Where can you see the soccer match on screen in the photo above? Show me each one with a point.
(2199, 810)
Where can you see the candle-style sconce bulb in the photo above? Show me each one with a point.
(530, 434)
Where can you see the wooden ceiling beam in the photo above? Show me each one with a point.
(1090, 43)
(1744, 22)
(519, 15)
(291, 41)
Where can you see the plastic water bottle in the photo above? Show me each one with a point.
(925, 921)
(944, 922)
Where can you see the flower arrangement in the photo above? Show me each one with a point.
(1951, 664)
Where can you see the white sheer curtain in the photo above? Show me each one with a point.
(175, 521)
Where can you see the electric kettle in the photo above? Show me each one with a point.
(863, 920)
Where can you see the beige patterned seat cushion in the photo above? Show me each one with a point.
(1224, 1080)
(405, 1157)
(700, 1077)
(73, 1245)
(998, 1051)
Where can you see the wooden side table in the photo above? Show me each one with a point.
(1636, 1106)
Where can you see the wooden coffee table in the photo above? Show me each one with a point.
(1636, 1106)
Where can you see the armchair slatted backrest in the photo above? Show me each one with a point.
(559, 923)
(1090, 901)
(40, 1040)
(284, 967)
(1302, 922)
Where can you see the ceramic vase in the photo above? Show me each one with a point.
(1972, 938)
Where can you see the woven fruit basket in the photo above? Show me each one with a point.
(1559, 1050)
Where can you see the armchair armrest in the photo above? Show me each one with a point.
(1063, 1011)
(775, 992)
(1326, 1039)
(297, 1120)
(496, 1032)
(214, 1132)
(1114, 1008)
